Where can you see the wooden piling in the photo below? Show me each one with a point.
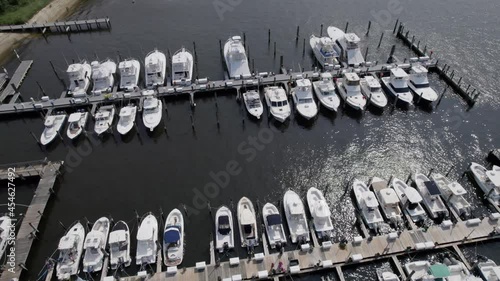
(380, 41)
(369, 26)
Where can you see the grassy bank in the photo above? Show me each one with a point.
(19, 11)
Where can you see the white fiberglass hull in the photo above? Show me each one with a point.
(405, 97)
(404, 192)
(130, 82)
(120, 257)
(93, 262)
(321, 58)
(330, 102)
(126, 123)
(69, 266)
(320, 212)
(378, 98)
(275, 231)
(152, 119)
(237, 66)
(489, 189)
(155, 77)
(423, 94)
(73, 133)
(186, 57)
(297, 223)
(247, 223)
(434, 204)
(173, 252)
(355, 100)
(50, 133)
(457, 202)
(224, 238)
(147, 237)
(254, 108)
(102, 126)
(368, 204)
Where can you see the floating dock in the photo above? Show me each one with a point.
(60, 26)
(12, 89)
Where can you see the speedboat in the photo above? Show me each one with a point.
(274, 226)
(119, 245)
(79, 79)
(5, 226)
(277, 103)
(431, 196)
(372, 90)
(367, 204)
(397, 86)
(129, 74)
(103, 76)
(410, 200)
(386, 276)
(323, 50)
(253, 103)
(76, 124)
(95, 246)
(453, 193)
(104, 118)
(147, 239)
(347, 46)
(320, 212)
(419, 84)
(151, 110)
(423, 271)
(127, 119)
(236, 58)
(458, 270)
(182, 67)
(325, 92)
(155, 69)
(488, 181)
(296, 218)
(350, 91)
(70, 251)
(53, 124)
(224, 234)
(489, 270)
(247, 223)
(389, 201)
(303, 98)
(173, 238)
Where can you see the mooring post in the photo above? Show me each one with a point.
(321, 31)
(36, 139)
(244, 40)
(346, 26)
(407, 33)
(418, 44)
(304, 47)
(269, 36)
(467, 91)
(449, 171)
(395, 26)
(459, 80)
(412, 41)
(366, 54)
(425, 50)
(220, 46)
(380, 41)
(409, 178)
(369, 26)
(430, 172)
(297, 37)
(274, 49)
(281, 62)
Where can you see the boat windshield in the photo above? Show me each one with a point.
(183, 74)
(279, 103)
(420, 85)
(412, 206)
(352, 45)
(118, 246)
(374, 89)
(306, 100)
(352, 83)
(327, 51)
(400, 90)
(224, 226)
(73, 126)
(248, 229)
(253, 102)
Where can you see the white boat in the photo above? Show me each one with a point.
(453, 193)
(303, 98)
(397, 85)
(372, 90)
(147, 239)
(236, 58)
(323, 50)
(127, 119)
(389, 201)
(155, 64)
(129, 74)
(431, 196)
(79, 79)
(95, 245)
(489, 270)
(325, 92)
(347, 46)
(76, 124)
(458, 270)
(119, 246)
(173, 239)
(247, 223)
(70, 251)
(367, 204)
(488, 181)
(387, 276)
(5, 225)
(296, 218)
(53, 124)
(253, 103)
(104, 119)
(410, 199)
(277, 103)
(419, 84)
(224, 230)
(421, 270)
(151, 110)
(350, 91)
(274, 226)
(320, 212)
(103, 76)
(182, 67)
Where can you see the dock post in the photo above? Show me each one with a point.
(366, 55)
(34, 228)
(304, 47)
(369, 26)
(321, 31)
(459, 81)
(393, 49)
(194, 51)
(430, 172)
(281, 62)
(412, 41)
(380, 41)
(467, 91)
(41, 89)
(442, 95)
(220, 46)
(268, 36)
(346, 26)
(395, 26)
(418, 44)
(274, 48)
(425, 50)
(297, 37)
(17, 55)
(244, 40)
(449, 171)
(192, 121)
(407, 33)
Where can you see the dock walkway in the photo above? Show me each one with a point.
(15, 82)
(60, 26)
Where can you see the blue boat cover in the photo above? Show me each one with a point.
(432, 187)
(171, 235)
(274, 219)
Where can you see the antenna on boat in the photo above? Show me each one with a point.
(64, 57)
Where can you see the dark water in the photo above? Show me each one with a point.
(146, 172)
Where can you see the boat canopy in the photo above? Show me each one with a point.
(172, 235)
(389, 196)
(150, 103)
(126, 111)
(398, 73)
(247, 217)
(67, 242)
(321, 209)
(432, 188)
(102, 114)
(274, 219)
(75, 68)
(49, 121)
(117, 236)
(494, 177)
(352, 40)
(296, 208)
(351, 77)
(326, 75)
(75, 117)
(456, 189)
(93, 239)
(439, 270)
(370, 200)
(100, 72)
(413, 195)
(224, 225)
(327, 87)
(154, 65)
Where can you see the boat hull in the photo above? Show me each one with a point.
(224, 241)
(247, 211)
(173, 256)
(297, 224)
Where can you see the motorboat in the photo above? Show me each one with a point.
(173, 238)
(489, 270)
(253, 103)
(274, 226)
(387, 276)
(79, 79)
(70, 252)
(127, 119)
(350, 90)
(419, 84)
(488, 181)
(224, 234)
(76, 124)
(119, 246)
(236, 58)
(453, 193)
(367, 204)
(303, 98)
(372, 90)
(155, 64)
(389, 201)
(458, 270)
(182, 67)
(103, 76)
(410, 199)
(104, 119)
(95, 246)
(5, 227)
(129, 74)
(431, 196)
(247, 223)
(321, 214)
(396, 85)
(277, 103)
(147, 239)
(151, 110)
(450, 270)
(347, 46)
(53, 124)
(296, 218)
(325, 92)
(323, 51)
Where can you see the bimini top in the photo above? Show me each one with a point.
(398, 73)
(72, 68)
(247, 217)
(117, 236)
(224, 225)
(154, 64)
(413, 195)
(372, 82)
(67, 242)
(172, 235)
(351, 76)
(49, 121)
(352, 38)
(274, 219)
(457, 189)
(439, 270)
(418, 69)
(303, 83)
(127, 68)
(389, 196)
(74, 117)
(494, 177)
(150, 103)
(102, 114)
(432, 188)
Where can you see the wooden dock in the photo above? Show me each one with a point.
(12, 90)
(60, 26)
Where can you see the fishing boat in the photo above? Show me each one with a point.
(419, 84)
(423, 271)
(236, 58)
(70, 251)
(389, 201)
(103, 76)
(129, 74)
(347, 46)
(79, 79)
(224, 234)
(173, 238)
(367, 204)
(431, 196)
(320, 212)
(95, 246)
(147, 239)
(303, 98)
(325, 92)
(155, 64)
(410, 200)
(53, 124)
(274, 226)
(453, 193)
(119, 246)
(386, 276)
(127, 119)
(296, 218)
(76, 124)
(488, 181)
(253, 103)
(247, 223)
(151, 110)
(372, 90)
(5, 226)
(489, 270)
(350, 90)
(323, 51)
(104, 119)
(277, 103)
(182, 67)
(397, 86)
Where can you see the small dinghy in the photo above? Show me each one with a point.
(77, 122)
(147, 239)
(70, 251)
(247, 223)
(367, 204)
(488, 181)
(127, 119)
(296, 217)
(173, 238)
(453, 193)
(253, 103)
(224, 229)
(410, 200)
(431, 196)
(95, 246)
(119, 245)
(274, 226)
(53, 124)
(320, 212)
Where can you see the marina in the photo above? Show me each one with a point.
(60, 26)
